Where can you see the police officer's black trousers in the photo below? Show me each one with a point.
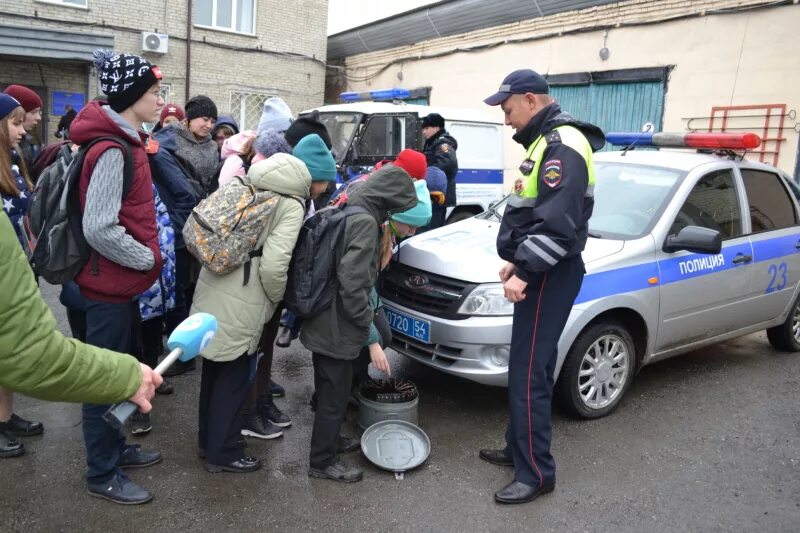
(538, 323)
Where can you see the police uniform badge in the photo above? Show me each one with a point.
(518, 186)
(552, 173)
(444, 148)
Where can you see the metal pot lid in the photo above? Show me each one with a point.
(395, 445)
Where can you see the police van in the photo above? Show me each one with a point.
(684, 250)
(364, 133)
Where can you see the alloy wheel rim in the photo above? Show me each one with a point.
(604, 369)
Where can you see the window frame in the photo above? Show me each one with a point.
(786, 189)
(213, 26)
(738, 195)
(62, 3)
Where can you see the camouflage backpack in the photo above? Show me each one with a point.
(223, 229)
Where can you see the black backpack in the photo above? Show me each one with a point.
(53, 227)
(311, 285)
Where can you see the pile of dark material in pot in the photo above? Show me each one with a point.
(389, 391)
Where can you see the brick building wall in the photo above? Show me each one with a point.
(285, 56)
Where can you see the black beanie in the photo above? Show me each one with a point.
(124, 78)
(306, 125)
(200, 106)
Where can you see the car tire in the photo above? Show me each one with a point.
(610, 345)
(786, 337)
(460, 215)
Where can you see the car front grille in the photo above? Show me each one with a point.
(440, 353)
(424, 292)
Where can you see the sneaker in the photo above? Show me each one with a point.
(270, 412)
(165, 388)
(139, 423)
(179, 367)
(338, 471)
(347, 445)
(9, 446)
(134, 457)
(19, 427)
(284, 339)
(120, 489)
(260, 428)
(276, 390)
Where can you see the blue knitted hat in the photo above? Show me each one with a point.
(420, 214)
(7, 104)
(312, 151)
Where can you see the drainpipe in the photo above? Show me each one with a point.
(190, 3)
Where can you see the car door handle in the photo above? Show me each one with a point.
(797, 245)
(741, 258)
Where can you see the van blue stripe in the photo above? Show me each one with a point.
(479, 176)
(634, 278)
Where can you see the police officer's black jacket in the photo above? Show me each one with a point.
(536, 233)
(440, 152)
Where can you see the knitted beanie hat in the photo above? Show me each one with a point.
(7, 104)
(124, 78)
(420, 214)
(269, 142)
(172, 110)
(307, 125)
(312, 151)
(27, 98)
(412, 162)
(276, 115)
(201, 106)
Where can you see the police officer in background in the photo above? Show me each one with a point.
(440, 152)
(541, 237)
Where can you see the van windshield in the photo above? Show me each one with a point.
(341, 127)
(628, 199)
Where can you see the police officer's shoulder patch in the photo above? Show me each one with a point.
(444, 147)
(552, 173)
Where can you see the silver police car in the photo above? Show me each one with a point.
(685, 250)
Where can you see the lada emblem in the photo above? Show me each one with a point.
(416, 281)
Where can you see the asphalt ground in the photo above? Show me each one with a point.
(709, 441)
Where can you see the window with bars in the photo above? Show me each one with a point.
(246, 108)
(72, 3)
(228, 15)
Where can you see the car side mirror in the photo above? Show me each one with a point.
(694, 239)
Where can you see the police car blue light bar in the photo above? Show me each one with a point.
(380, 94)
(714, 141)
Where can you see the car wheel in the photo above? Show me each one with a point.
(597, 371)
(786, 337)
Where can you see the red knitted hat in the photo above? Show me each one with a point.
(412, 162)
(27, 98)
(173, 110)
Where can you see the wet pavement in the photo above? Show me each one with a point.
(709, 441)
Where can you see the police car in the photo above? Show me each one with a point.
(685, 250)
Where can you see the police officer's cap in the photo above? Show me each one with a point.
(519, 82)
(433, 120)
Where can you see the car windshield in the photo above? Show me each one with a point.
(628, 199)
(341, 127)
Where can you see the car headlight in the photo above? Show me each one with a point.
(487, 300)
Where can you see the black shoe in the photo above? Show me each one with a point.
(179, 367)
(165, 388)
(270, 411)
(240, 466)
(338, 471)
(139, 423)
(275, 390)
(516, 492)
(496, 457)
(347, 445)
(9, 446)
(120, 490)
(284, 339)
(134, 457)
(19, 427)
(259, 427)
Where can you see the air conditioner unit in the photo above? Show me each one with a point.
(155, 43)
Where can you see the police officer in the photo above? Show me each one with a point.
(541, 237)
(440, 152)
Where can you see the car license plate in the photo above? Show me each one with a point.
(408, 325)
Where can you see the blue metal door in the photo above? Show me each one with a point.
(614, 106)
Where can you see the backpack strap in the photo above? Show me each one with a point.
(254, 253)
(127, 152)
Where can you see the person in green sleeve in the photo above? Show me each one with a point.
(38, 361)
